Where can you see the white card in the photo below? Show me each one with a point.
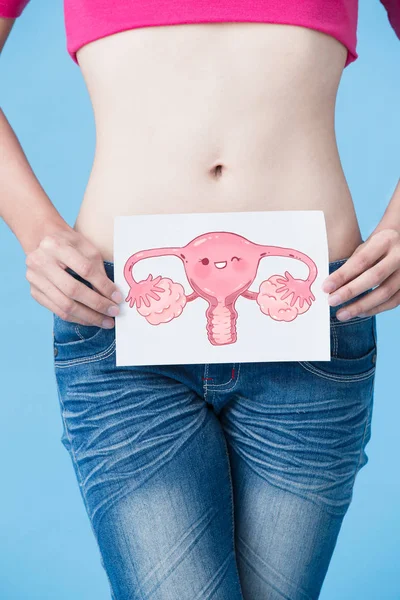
(221, 287)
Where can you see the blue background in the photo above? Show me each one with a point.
(48, 550)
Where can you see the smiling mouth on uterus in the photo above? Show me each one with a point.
(221, 265)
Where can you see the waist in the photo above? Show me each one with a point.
(192, 124)
(294, 182)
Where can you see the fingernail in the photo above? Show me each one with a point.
(116, 296)
(362, 315)
(334, 300)
(108, 323)
(113, 311)
(328, 286)
(343, 315)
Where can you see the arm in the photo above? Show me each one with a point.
(24, 205)
(393, 13)
(376, 262)
(391, 216)
(49, 243)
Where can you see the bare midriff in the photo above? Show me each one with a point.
(216, 117)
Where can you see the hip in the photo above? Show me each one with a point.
(80, 349)
(317, 414)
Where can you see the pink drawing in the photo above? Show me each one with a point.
(220, 266)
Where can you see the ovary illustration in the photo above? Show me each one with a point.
(220, 266)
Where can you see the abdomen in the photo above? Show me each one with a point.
(215, 117)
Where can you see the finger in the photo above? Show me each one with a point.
(45, 301)
(358, 262)
(394, 302)
(103, 284)
(383, 293)
(89, 268)
(78, 291)
(369, 279)
(66, 297)
(82, 315)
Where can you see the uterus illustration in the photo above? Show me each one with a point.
(220, 267)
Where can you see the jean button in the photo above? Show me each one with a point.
(55, 351)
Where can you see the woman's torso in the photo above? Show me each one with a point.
(172, 103)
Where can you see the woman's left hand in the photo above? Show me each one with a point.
(374, 264)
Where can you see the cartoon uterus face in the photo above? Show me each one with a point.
(220, 265)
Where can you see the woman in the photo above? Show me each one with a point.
(208, 481)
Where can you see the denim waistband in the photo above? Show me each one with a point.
(109, 268)
(333, 266)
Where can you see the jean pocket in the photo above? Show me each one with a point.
(66, 332)
(353, 351)
(75, 343)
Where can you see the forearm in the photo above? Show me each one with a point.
(391, 216)
(24, 205)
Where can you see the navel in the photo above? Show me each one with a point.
(216, 171)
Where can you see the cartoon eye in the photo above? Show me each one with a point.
(236, 258)
(205, 261)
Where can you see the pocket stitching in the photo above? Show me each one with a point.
(338, 323)
(335, 324)
(335, 340)
(63, 363)
(341, 378)
(77, 331)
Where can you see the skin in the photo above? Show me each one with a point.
(374, 264)
(295, 127)
(58, 246)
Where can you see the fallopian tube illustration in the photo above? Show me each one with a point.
(220, 266)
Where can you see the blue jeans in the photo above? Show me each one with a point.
(222, 481)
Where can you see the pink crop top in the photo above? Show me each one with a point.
(89, 20)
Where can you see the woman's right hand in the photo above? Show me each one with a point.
(57, 290)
